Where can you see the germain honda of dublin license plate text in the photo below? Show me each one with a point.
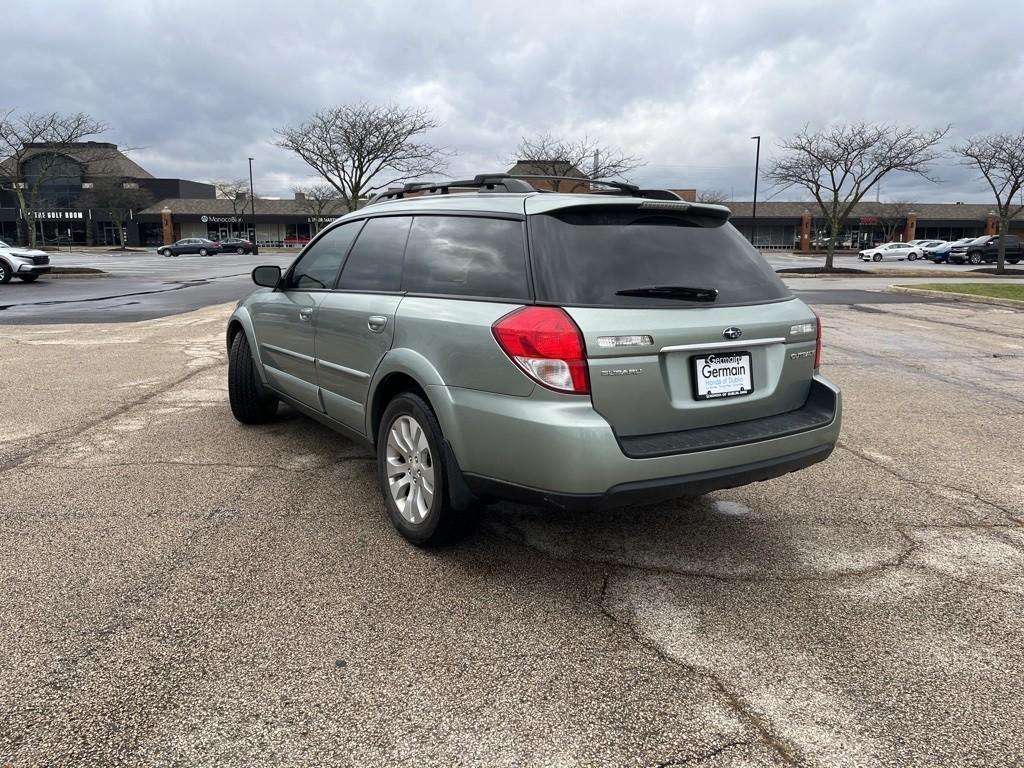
(722, 375)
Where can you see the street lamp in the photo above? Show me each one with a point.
(252, 204)
(757, 167)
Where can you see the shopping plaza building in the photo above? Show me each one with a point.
(170, 209)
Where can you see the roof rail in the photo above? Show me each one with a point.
(490, 182)
(505, 182)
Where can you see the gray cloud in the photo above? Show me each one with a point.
(198, 87)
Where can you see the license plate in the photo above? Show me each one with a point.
(722, 375)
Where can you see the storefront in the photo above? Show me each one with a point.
(276, 223)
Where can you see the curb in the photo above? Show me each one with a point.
(66, 275)
(999, 302)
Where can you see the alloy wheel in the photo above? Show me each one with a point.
(410, 469)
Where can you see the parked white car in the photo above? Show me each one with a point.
(892, 252)
(25, 264)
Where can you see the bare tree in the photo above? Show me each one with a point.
(21, 137)
(839, 165)
(322, 201)
(119, 200)
(361, 148)
(889, 216)
(716, 196)
(548, 155)
(1000, 159)
(235, 190)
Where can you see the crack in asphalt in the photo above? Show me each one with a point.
(511, 533)
(74, 431)
(875, 310)
(996, 395)
(743, 709)
(928, 486)
(178, 285)
(696, 759)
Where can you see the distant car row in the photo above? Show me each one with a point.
(204, 247)
(967, 250)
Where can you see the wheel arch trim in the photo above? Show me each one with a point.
(408, 363)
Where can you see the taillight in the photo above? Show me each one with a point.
(546, 344)
(817, 343)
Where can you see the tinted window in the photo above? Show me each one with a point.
(375, 263)
(466, 256)
(319, 265)
(585, 255)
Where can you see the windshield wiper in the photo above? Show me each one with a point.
(672, 292)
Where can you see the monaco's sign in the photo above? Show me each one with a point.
(220, 219)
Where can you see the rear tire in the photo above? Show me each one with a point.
(28, 278)
(912, 257)
(203, 252)
(251, 403)
(239, 251)
(413, 474)
(974, 258)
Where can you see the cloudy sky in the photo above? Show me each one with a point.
(197, 87)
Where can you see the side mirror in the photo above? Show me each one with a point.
(268, 277)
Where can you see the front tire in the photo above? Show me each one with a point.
(239, 251)
(877, 257)
(251, 403)
(166, 252)
(413, 474)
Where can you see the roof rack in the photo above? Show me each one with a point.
(505, 182)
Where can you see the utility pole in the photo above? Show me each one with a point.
(252, 204)
(757, 172)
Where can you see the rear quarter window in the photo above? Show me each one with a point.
(466, 256)
(583, 256)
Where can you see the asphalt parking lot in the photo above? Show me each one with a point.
(145, 285)
(176, 589)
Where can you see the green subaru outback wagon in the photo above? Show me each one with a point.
(491, 341)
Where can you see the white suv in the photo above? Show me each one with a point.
(25, 264)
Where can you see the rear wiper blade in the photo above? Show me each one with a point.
(672, 292)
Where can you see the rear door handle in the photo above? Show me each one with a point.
(305, 314)
(376, 323)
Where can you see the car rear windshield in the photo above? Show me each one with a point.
(586, 256)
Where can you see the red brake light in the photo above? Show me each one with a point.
(817, 343)
(546, 344)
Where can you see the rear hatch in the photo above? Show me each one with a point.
(685, 324)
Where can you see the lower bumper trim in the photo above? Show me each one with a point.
(651, 491)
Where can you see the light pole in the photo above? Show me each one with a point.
(252, 204)
(757, 170)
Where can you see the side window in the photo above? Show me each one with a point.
(466, 256)
(375, 263)
(319, 265)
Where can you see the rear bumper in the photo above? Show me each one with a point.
(651, 491)
(559, 451)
